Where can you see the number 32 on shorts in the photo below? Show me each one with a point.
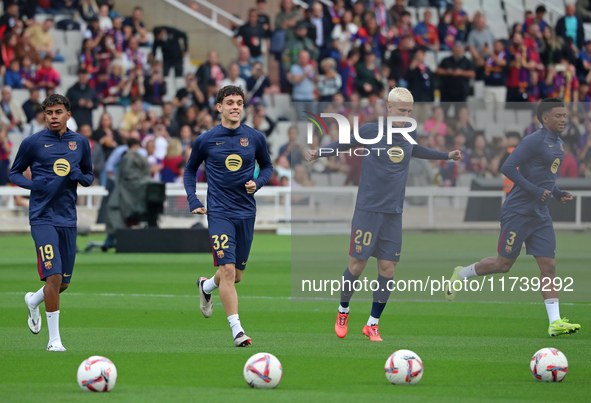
(220, 241)
(361, 236)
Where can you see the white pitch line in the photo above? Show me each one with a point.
(298, 299)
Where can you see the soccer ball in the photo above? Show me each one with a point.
(549, 365)
(404, 367)
(97, 374)
(263, 371)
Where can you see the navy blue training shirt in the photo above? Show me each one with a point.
(538, 158)
(384, 170)
(58, 164)
(230, 156)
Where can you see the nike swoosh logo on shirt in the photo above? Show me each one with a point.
(67, 275)
(550, 145)
(49, 145)
(217, 144)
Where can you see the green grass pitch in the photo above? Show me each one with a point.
(141, 311)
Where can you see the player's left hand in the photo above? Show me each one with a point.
(566, 199)
(454, 155)
(251, 187)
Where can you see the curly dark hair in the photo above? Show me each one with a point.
(227, 91)
(546, 105)
(56, 99)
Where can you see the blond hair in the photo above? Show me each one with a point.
(400, 94)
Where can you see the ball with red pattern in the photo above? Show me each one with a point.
(97, 374)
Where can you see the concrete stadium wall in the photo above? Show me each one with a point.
(202, 37)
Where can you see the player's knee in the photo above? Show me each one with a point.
(548, 269)
(64, 287)
(503, 267)
(228, 272)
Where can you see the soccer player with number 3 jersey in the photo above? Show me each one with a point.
(230, 151)
(59, 160)
(533, 167)
(376, 228)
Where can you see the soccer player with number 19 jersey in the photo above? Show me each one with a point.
(59, 159)
(230, 152)
(524, 214)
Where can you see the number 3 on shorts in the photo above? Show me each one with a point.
(511, 239)
(218, 241)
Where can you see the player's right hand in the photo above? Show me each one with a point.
(311, 155)
(200, 211)
(546, 194)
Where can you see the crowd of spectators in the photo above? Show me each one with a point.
(346, 56)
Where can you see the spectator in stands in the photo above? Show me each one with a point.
(134, 86)
(88, 60)
(211, 69)
(133, 56)
(189, 95)
(571, 134)
(536, 90)
(480, 43)
(257, 118)
(169, 120)
(571, 26)
(302, 76)
(83, 99)
(169, 40)
(42, 40)
(551, 47)
(186, 137)
(562, 82)
(371, 38)
(448, 33)
(400, 60)
(426, 34)
(252, 35)
(30, 104)
(521, 61)
(263, 18)
(7, 51)
(244, 62)
(287, 19)
(293, 150)
(170, 163)
(323, 29)
(37, 124)
(258, 84)
(10, 19)
(132, 117)
(96, 151)
(495, 73)
(360, 13)
(118, 34)
(461, 19)
(396, 11)
(533, 38)
(348, 73)
(136, 26)
(107, 137)
(436, 125)
(109, 87)
(329, 82)
(24, 48)
(105, 21)
(12, 76)
(538, 19)
(419, 79)
(584, 63)
(343, 32)
(462, 125)
(5, 150)
(569, 167)
(369, 77)
(533, 125)
(26, 72)
(479, 158)
(88, 10)
(12, 115)
(299, 43)
(455, 72)
(155, 85)
(234, 77)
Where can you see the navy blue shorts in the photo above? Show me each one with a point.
(56, 250)
(231, 239)
(376, 234)
(537, 233)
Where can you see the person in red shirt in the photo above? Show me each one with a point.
(47, 77)
(569, 167)
(426, 34)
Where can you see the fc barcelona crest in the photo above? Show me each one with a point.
(358, 248)
(244, 142)
(48, 265)
(220, 254)
(508, 249)
(72, 145)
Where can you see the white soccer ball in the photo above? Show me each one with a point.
(97, 374)
(549, 365)
(404, 367)
(263, 371)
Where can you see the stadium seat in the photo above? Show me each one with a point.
(20, 95)
(431, 60)
(479, 89)
(116, 112)
(66, 82)
(442, 54)
(321, 179)
(96, 116)
(491, 5)
(499, 29)
(157, 109)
